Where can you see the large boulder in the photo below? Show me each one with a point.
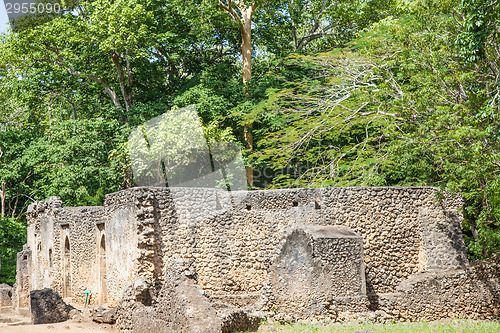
(48, 307)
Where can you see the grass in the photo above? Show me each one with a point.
(447, 326)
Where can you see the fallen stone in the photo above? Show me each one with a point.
(104, 315)
(6, 293)
(48, 307)
(235, 319)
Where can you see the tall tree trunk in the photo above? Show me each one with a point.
(244, 18)
(247, 135)
(246, 43)
(125, 82)
(15, 207)
(246, 54)
(2, 197)
(70, 101)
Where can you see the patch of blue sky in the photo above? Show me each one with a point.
(4, 19)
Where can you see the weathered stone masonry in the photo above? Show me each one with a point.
(367, 244)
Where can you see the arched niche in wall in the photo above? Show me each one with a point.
(101, 262)
(38, 256)
(51, 259)
(66, 266)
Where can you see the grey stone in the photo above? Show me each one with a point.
(319, 271)
(6, 295)
(103, 315)
(181, 306)
(48, 307)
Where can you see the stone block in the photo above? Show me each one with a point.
(319, 271)
(104, 315)
(180, 306)
(48, 307)
(6, 294)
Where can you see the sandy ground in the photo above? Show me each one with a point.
(86, 325)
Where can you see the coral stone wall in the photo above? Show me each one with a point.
(317, 267)
(122, 252)
(83, 249)
(473, 293)
(231, 241)
(48, 226)
(22, 287)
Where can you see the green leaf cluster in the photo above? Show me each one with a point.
(402, 105)
(12, 238)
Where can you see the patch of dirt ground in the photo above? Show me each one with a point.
(85, 325)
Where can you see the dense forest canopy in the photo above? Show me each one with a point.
(316, 93)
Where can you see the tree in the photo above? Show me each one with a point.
(406, 108)
(109, 53)
(88, 46)
(12, 238)
(333, 128)
(315, 25)
(242, 12)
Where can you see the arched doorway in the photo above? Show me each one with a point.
(102, 269)
(66, 268)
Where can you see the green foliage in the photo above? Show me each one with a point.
(480, 17)
(314, 25)
(208, 104)
(73, 161)
(79, 161)
(402, 109)
(329, 130)
(15, 168)
(12, 238)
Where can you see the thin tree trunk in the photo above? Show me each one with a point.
(15, 207)
(245, 21)
(475, 236)
(127, 93)
(246, 54)
(72, 107)
(247, 135)
(2, 197)
(246, 44)
(114, 97)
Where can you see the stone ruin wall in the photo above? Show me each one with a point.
(319, 270)
(124, 260)
(471, 293)
(49, 223)
(230, 243)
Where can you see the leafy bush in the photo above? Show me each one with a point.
(12, 239)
